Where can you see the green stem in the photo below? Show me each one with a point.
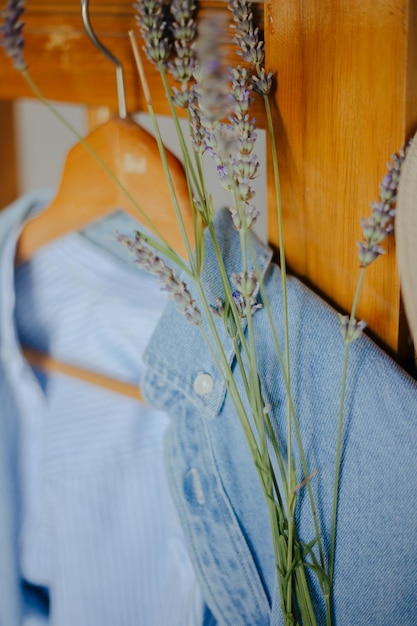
(281, 363)
(227, 291)
(278, 200)
(242, 415)
(340, 432)
(306, 608)
(255, 389)
(163, 155)
(183, 145)
(328, 608)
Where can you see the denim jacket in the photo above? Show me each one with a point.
(215, 485)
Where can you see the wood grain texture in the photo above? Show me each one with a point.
(346, 100)
(8, 157)
(68, 68)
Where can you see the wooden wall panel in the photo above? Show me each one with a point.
(346, 100)
(8, 159)
(66, 65)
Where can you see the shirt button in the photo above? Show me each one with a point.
(203, 384)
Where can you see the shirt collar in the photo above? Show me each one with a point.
(180, 363)
(12, 220)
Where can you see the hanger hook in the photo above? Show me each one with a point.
(119, 70)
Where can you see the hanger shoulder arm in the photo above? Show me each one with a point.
(126, 153)
(47, 364)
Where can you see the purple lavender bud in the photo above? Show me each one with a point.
(368, 253)
(236, 219)
(245, 282)
(177, 290)
(373, 232)
(244, 127)
(153, 24)
(193, 315)
(182, 10)
(247, 144)
(241, 10)
(246, 168)
(252, 54)
(182, 69)
(379, 225)
(244, 190)
(11, 30)
(239, 301)
(218, 308)
(350, 329)
(251, 215)
(262, 84)
(382, 213)
(184, 32)
(181, 98)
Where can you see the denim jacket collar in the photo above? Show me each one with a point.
(179, 369)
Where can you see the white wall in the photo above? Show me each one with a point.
(43, 142)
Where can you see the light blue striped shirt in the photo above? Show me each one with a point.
(98, 539)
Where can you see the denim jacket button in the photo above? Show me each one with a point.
(203, 384)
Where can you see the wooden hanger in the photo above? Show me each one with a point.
(87, 193)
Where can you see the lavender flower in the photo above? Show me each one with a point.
(247, 37)
(152, 20)
(242, 165)
(262, 83)
(211, 74)
(11, 29)
(197, 127)
(177, 290)
(251, 47)
(218, 309)
(379, 225)
(351, 329)
(184, 31)
(217, 94)
(245, 282)
(246, 285)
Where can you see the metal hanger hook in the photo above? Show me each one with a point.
(121, 98)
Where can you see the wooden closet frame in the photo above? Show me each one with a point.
(346, 100)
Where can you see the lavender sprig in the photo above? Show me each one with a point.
(245, 287)
(222, 93)
(374, 231)
(152, 20)
(11, 30)
(250, 45)
(376, 228)
(184, 30)
(242, 163)
(177, 290)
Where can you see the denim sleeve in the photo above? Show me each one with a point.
(215, 486)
